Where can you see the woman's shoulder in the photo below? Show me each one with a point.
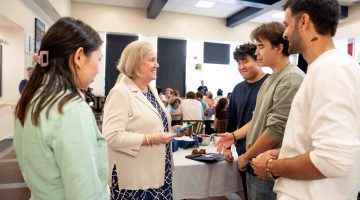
(120, 90)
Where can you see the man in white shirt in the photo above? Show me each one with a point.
(190, 108)
(320, 155)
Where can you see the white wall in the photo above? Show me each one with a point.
(13, 62)
(21, 15)
(63, 7)
(194, 29)
(13, 71)
(215, 76)
(349, 27)
(6, 120)
(129, 20)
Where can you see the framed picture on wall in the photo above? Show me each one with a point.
(39, 34)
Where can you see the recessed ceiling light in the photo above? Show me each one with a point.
(204, 4)
(279, 14)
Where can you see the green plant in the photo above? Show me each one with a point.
(198, 66)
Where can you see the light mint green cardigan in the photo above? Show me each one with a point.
(65, 156)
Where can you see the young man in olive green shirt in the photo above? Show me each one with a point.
(265, 130)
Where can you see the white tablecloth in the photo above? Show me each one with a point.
(194, 179)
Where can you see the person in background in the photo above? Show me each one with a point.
(219, 94)
(190, 108)
(205, 107)
(158, 89)
(23, 82)
(173, 108)
(176, 93)
(168, 96)
(89, 96)
(209, 99)
(220, 111)
(211, 104)
(266, 129)
(136, 125)
(228, 96)
(243, 101)
(202, 88)
(60, 150)
(319, 158)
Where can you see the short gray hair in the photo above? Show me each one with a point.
(132, 57)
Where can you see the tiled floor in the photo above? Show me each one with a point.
(12, 186)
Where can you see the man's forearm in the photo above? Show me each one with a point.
(262, 144)
(299, 167)
(242, 132)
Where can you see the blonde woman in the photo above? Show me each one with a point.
(137, 129)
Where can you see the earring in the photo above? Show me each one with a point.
(78, 66)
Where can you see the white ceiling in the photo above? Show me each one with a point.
(221, 8)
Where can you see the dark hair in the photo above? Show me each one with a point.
(62, 40)
(219, 92)
(273, 32)
(220, 106)
(176, 93)
(173, 100)
(190, 95)
(245, 49)
(323, 13)
(159, 90)
(228, 95)
(199, 95)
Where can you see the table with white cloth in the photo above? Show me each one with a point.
(194, 179)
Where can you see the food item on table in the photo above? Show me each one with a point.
(201, 151)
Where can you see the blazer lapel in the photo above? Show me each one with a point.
(156, 95)
(139, 95)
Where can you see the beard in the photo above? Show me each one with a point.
(295, 42)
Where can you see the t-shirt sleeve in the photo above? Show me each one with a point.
(279, 112)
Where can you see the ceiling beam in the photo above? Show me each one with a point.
(242, 16)
(155, 8)
(266, 2)
(251, 12)
(49, 9)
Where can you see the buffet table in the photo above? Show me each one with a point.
(194, 179)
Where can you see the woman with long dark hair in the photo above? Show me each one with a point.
(60, 150)
(220, 111)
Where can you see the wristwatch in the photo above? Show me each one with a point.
(267, 170)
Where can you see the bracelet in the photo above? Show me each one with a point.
(147, 140)
(233, 134)
(267, 169)
(151, 140)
